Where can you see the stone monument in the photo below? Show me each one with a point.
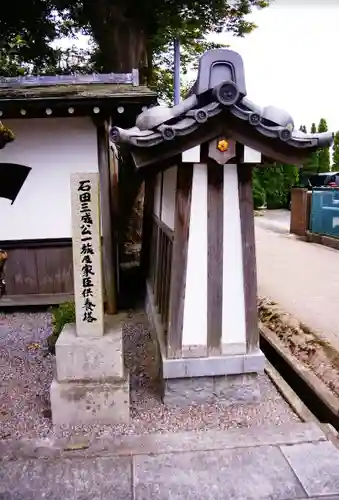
(90, 383)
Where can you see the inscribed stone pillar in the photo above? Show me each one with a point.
(91, 384)
(88, 292)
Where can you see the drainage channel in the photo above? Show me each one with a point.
(320, 408)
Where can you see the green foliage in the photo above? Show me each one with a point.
(335, 165)
(323, 154)
(126, 34)
(272, 185)
(163, 68)
(61, 315)
(311, 165)
(259, 195)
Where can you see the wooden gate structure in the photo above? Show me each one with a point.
(198, 237)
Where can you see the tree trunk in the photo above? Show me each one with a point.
(120, 37)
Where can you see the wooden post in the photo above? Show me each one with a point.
(107, 230)
(147, 224)
(179, 260)
(248, 255)
(215, 217)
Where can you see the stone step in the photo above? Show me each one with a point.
(272, 435)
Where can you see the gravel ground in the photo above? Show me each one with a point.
(26, 375)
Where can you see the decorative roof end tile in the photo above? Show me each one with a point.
(218, 98)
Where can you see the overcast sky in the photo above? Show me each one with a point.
(291, 59)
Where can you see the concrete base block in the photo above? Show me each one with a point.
(90, 358)
(79, 403)
(211, 366)
(226, 390)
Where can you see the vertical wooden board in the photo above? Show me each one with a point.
(150, 274)
(159, 266)
(249, 257)
(9, 272)
(108, 256)
(21, 272)
(154, 255)
(147, 225)
(164, 283)
(179, 260)
(55, 270)
(168, 282)
(66, 271)
(215, 211)
(47, 269)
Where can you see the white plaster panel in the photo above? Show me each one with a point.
(195, 308)
(168, 196)
(191, 155)
(157, 195)
(54, 148)
(233, 302)
(251, 155)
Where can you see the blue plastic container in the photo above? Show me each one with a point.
(325, 212)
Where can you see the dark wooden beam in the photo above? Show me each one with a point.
(215, 215)
(147, 225)
(179, 260)
(106, 217)
(248, 255)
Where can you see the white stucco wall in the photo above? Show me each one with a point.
(233, 301)
(164, 196)
(195, 308)
(168, 196)
(53, 148)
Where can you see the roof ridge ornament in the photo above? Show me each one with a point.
(218, 101)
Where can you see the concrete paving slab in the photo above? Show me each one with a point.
(246, 474)
(332, 497)
(293, 433)
(316, 466)
(299, 276)
(77, 479)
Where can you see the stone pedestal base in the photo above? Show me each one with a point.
(90, 384)
(78, 403)
(226, 390)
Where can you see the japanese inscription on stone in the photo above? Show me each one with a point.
(87, 254)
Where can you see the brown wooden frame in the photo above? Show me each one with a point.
(248, 255)
(179, 260)
(215, 218)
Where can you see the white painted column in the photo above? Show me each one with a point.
(233, 302)
(88, 293)
(194, 336)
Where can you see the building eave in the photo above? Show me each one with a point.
(218, 106)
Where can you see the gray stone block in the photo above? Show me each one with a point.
(76, 479)
(232, 364)
(76, 403)
(247, 473)
(235, 389)
(254, 362)
(202, 367)
(316, 465)
(227, 390)
(90, 358)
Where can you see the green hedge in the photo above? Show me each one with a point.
(61, 315)
(272, 185)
